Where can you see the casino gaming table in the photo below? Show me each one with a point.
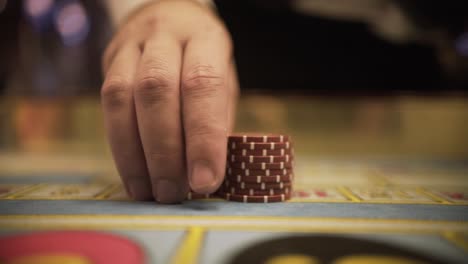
(61, 207)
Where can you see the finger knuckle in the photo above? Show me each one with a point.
(202, 81)
(115, 93)
(153, 88)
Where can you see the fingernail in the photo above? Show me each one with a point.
(202, 177)
(167, 192)
(140, 190)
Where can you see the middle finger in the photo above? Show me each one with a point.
(158, 112)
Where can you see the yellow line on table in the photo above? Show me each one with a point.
(285, 224)
(348, 194)
(188, 252)
(457, 239)
(107, 191)
(433, 196)
(24, 191)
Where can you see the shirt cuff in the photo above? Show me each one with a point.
(119, 10)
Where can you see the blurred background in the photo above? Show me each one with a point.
(356, 78)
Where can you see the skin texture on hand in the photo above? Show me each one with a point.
(168, 98)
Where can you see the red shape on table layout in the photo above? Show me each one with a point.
(301, 194)
(99, 248)
(321, 193)
(457, 195)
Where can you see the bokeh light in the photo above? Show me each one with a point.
(461, 44)
(38, 12)
(72, 23)
(36, 8)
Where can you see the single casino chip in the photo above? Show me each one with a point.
(260, 152)
(260, 165)
(260, 179)
(197, 196)
(257, 137)
(254, 192)
(259, 146)
(255, 199)
(257, 186)
(79, 246)
(258, 159)
(249, 172)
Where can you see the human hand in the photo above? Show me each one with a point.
(169, 98)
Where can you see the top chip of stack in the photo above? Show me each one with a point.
(258, 138)
(259, 168)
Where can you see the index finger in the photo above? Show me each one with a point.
(205, 108)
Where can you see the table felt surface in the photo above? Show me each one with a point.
(396, 203)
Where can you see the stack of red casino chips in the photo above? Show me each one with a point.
(259, 169)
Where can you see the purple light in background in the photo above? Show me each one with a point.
(37, 8)
(461, 44)
(38, 12)
(72, 23)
